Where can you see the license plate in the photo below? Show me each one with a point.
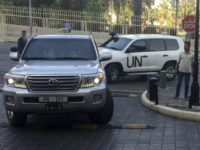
(53, 99)
(53, 107)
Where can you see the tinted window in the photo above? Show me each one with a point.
(60, 49)
(138, 46)
(157, 45)
(118, 43)
(172, 44)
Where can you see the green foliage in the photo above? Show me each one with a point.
(95, 6)
(125, 15)
(35, 3)
(14, 2)
(165, 15)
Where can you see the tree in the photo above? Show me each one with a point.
(35, 3)
(177, 3)
(137, 11)
(73, 4)
(66, 4)
(95, 6)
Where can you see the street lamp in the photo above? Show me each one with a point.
(30, 17)
(194, 97)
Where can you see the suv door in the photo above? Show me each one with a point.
(160, 52)
(137, 57)
(157, 54)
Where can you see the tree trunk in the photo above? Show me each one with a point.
(177, 3)
(137, 9)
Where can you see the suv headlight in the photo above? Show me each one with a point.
(91, 80)
(16, 81)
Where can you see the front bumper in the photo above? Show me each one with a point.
(27, 102)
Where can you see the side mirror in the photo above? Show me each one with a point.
(14, 53)
(105, 56)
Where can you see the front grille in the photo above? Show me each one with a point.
(53, 83)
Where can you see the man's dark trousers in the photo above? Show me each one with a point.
(179, 82)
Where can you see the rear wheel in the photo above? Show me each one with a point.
(16, 119)
(112, 73)
(105, 114)
(170, 68)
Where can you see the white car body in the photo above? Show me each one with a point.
(13, 55)
(142, 62)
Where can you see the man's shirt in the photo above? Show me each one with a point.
(21, 44)
(186, 60)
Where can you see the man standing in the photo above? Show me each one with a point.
(184, 68)
(21, 43)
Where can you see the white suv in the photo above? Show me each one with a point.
(140, 54)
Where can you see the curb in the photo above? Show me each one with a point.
(181, 114)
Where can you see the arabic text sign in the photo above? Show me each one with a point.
(188, 23)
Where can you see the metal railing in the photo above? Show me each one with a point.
(49, 21)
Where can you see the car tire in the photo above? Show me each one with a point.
(16, 119)
(105, 114)
(112, 73)
(170, 68)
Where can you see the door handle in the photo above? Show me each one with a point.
(145, 56)
(165, 55)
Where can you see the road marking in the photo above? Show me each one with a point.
(84, 126)
(134, 126)
(125, 91)
(124, 95)
(124, 126)
(132, 95)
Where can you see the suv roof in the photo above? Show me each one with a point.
(149, 36)
(57, 36)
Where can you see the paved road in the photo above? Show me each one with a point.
(55, 132)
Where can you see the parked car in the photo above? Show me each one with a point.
(141, 54)
(58, 74)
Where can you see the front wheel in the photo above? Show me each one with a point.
(105, 114)
(112, 73)
(170, 68)
(16, 119)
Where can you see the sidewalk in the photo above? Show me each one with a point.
(178, 108)
(166, 99)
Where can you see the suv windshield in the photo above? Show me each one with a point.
(117, 43)
(63, 49)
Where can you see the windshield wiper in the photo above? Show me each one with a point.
(72, 58)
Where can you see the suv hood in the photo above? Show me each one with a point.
(55, 67)
(103, 49)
